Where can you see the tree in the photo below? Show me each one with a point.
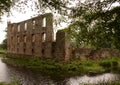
(5, 6)
(94, 23)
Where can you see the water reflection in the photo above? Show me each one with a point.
(93, 80)
(26, 77)
(4, 75)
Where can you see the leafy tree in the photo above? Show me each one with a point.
(93, 23)
(5, 6)
(98, 23)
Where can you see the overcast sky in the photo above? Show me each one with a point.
(14, 19)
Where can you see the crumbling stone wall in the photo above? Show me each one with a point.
(35, 37)
(89, 53)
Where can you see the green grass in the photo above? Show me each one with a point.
(13, 82)
(70, 68)
(3, 51)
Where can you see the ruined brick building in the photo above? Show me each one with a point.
(35, 37)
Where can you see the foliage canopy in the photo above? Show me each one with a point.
(5, 6)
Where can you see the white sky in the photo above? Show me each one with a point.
(18, 17)
(14, 19)
(3, 25)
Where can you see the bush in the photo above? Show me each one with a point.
(105, 64)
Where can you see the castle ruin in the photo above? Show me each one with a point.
(35, 37)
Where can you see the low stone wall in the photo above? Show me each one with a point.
(81, 53)
(85, 53)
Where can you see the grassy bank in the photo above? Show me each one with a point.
(2, 51)
(71, 68)
(11, 83)
(61, 69)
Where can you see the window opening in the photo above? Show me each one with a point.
(43, 37)
(43, 51)
(25, 26)
(18, 28)
(53, 50)
(44, 22)
(32, 51)
(25, 38)
(24, 50)
(18, 39)
(33, 38)
(33, 24)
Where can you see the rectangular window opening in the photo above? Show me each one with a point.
(33, 38)
(25, 26)
(44, 22)
(18, 39)
(25, 39)
(24, 50)
(33, 24)
(18, 28)
(43, 51)
(32, 51)
(43, 37)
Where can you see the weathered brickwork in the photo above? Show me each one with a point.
(35, 37)
(89, 53)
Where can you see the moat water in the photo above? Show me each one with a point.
(26, 77)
